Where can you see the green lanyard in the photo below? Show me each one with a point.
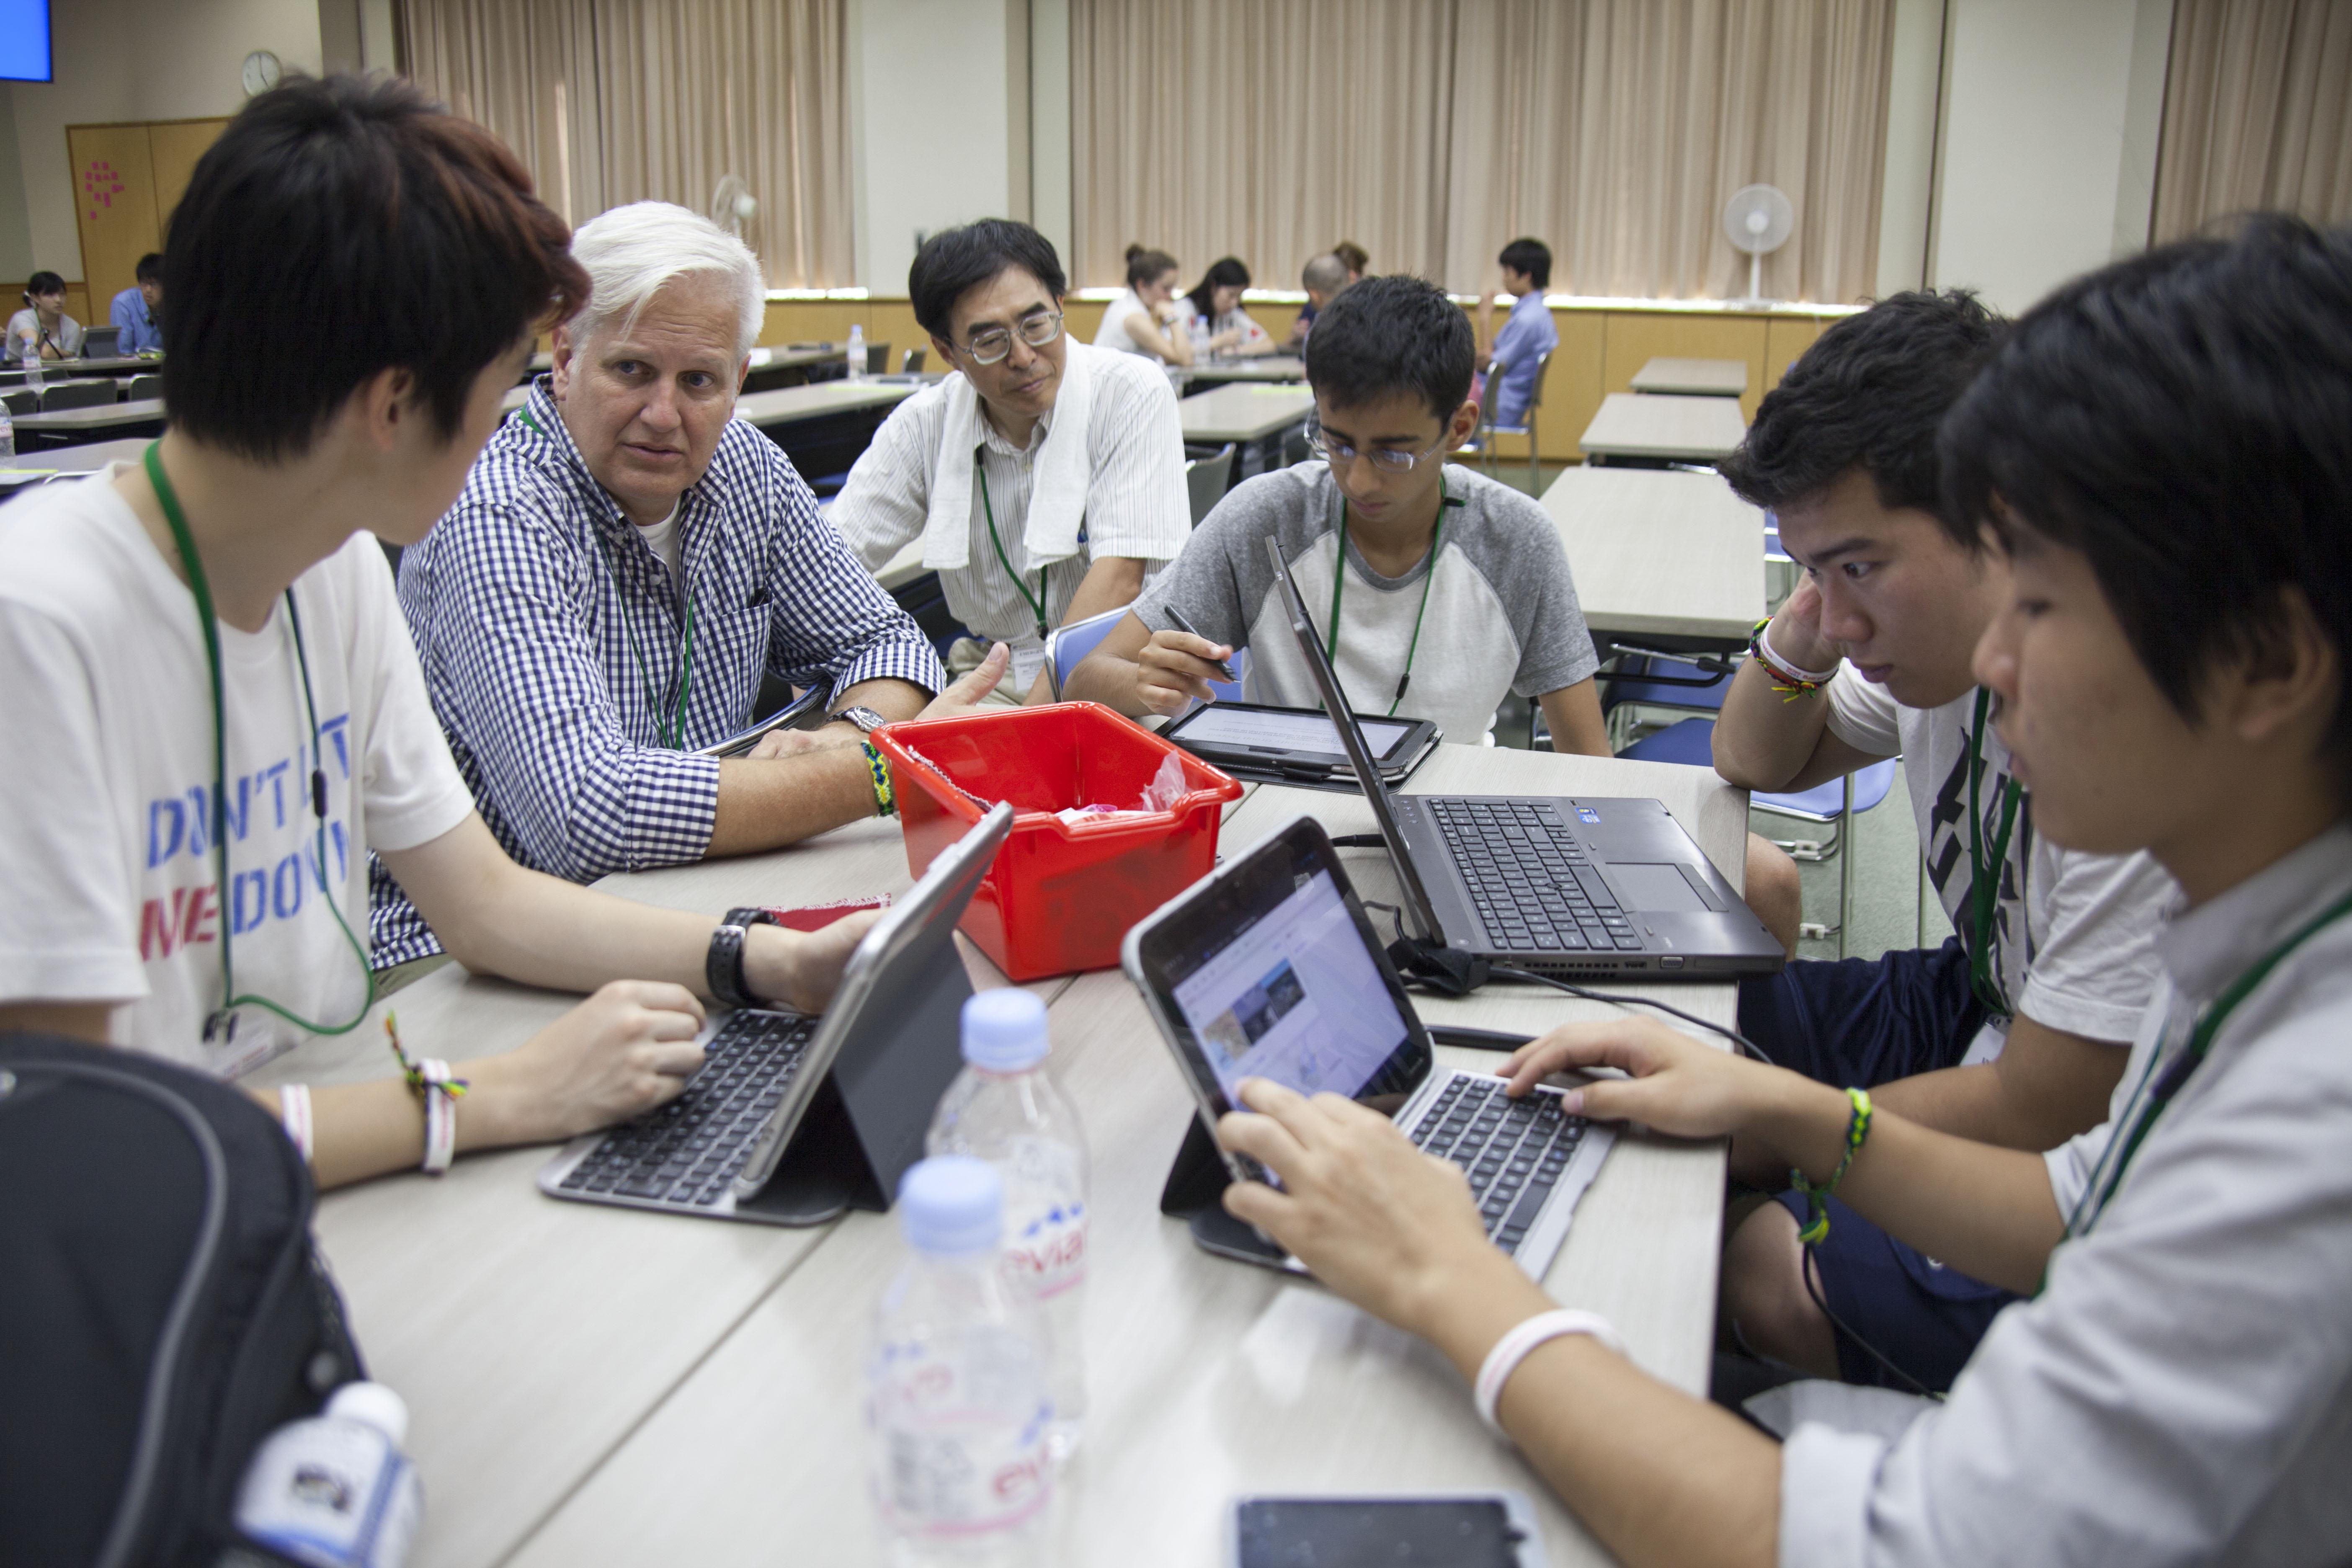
(223, 1020)
(1984, 885)
(669, 733)
(1037, 605)
(1339, 581)
(2200, 1041)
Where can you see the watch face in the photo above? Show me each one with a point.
(261, 73)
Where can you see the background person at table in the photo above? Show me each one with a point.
(311, 413)
(626, 561)
(2161, 448)
(1354, 257)
(43, 326)
(1043, 477)
(1526, 336)
(1218, 323)
(1145, 318)
(1486, 608)
(138, 311)
(1323, 277)
(1896, 595)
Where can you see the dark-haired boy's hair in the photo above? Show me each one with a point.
(1388, 335)
(343, 227)
(150, 268)
(2184, 419)
(1532, 257)
(955, 260)
(1868, 394)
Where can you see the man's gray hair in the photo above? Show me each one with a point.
(1325, 274)
(631, 251)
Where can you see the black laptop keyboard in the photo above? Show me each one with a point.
(685, 1153)
(1534, 888)
(1512, 1149)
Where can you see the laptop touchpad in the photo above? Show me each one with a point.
(1657, 889)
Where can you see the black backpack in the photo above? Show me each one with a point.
(162, 1309)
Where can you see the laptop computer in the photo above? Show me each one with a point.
(1269, 968)
(102, 343)
(1572, 888)
(792, 1119)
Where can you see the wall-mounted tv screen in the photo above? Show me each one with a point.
(25, 40)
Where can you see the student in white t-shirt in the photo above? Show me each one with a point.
(1146, 318)
(1218, 323)
(2013, 1032)
(145, 860)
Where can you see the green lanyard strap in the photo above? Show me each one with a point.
(2200, 1041)
(223, 1018)
(1036, 604)
(1984, 883)
(1340, 580)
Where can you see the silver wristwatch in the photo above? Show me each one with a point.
(866, 719)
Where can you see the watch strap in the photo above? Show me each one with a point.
(722, 969)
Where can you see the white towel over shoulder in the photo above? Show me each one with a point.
(1057, 505)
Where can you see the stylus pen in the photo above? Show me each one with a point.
(1224, 670)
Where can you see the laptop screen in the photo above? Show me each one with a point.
(1268, 971)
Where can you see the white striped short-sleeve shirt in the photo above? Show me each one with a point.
(1137, 504)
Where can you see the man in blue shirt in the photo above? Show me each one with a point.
(139, 310)
(1524, 339)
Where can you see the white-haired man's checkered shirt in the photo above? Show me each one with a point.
(525, 601)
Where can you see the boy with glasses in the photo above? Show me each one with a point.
(1439, 589)
(1043, 477)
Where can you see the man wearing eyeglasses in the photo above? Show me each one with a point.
(1438, 589)
(1043, 477)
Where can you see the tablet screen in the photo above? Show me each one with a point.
(1218, 725)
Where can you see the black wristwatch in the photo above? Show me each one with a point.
(722, 969)
(866, 719)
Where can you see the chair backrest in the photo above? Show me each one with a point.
(1296, 449)
(1067, 645)
(912, 363)
(21, 400)
(144, 386)
(877, 359)
(1208, 479)
(1543, 364)
(75, 394)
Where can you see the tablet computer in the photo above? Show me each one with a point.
(1298, 745)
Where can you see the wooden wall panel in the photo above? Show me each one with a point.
(114, 205)
(1636, 337)
(1785, 339)
(174, 146)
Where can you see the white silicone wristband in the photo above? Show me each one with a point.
(294, 1115)
(1514, 1348)
(440, 1117)
(1817, 677)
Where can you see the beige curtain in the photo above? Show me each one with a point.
(1434, 131)
(1264, 129)
(2257, 113)
(611, 102)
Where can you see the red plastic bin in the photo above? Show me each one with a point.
(1061, 896)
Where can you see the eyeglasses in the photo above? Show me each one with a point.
(1338, 453)
(990, 344)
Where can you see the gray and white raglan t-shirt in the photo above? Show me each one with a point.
(1502, 613)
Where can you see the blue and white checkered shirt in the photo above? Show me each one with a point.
(551, 640)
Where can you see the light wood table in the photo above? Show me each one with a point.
(1253, 415)
(1650, 425)
(1207, 1378)
(67, 426)
(1693, 377)
(113, 365)
(1263, 368)
(1655, 553)
(66, 463)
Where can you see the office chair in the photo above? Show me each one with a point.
(1489, 429)
(1832, 805)
(911, 363)
(1208, 479)
(21, 401)
(143, 386)
(877, 359)
(76, 394)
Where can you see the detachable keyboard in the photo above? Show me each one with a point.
(684, 1154)
(1513, 1151)
(1529, 878)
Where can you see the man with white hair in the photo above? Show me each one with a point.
(1044, 478)
(624, 563)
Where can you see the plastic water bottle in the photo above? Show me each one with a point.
(7, 435)
(335, 1490)
(956, 1400)
(33, 360)
(856, 352)
(1003, 1108)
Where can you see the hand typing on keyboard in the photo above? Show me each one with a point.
(625, 1049)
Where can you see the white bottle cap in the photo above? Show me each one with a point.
(372, 1405)
(1005, 1029)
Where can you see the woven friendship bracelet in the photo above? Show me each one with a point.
(294, 1115)
(1817, 1209)
(886, 803)
(431, 1079)
(1787, 680)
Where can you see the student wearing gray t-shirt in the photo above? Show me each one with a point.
(1453, 591)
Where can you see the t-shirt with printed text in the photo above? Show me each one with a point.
(106, 827)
